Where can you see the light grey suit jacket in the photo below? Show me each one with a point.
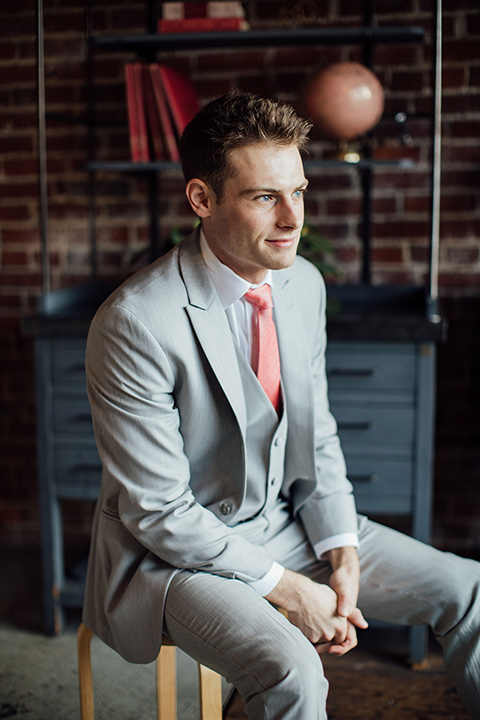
(170, 420)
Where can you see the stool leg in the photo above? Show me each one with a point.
(167, 683)
(210, 693)
(84, 637)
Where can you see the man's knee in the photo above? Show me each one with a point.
(288, 674)
(461, 603)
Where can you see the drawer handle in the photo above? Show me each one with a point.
(367, 425)
(78, 367)
(82, 418)
(354, 372)
(372, 478)
(86, 468)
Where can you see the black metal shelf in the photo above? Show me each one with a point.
(165, 166)
(258, 38)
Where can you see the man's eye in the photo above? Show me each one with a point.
(265, 198)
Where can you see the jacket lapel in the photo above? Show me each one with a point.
(211, 326)
(296, 375)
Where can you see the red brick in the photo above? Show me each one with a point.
(64, 20)
(27, 237)
(473, 23)
(465, 128)
(7, 50)
(344, 206)
(417, 203)
(401, 179)
(456, 51)
(388, 7)
(463, 256)
(389, 55)
(454, 77)
(387, 255)
(400, 229)
(459, 280)
(408, 81)
(382, 205)
(419, 254)
(463, 154)
(8, 300)
(21, 279)
(20, 167)
(397, 153)
(14, 258)
(461, 103)
(14, 212)
(450, 6)
(456, 228)
(393, 277)
(346, 254)
(458, 203)
(474, 76)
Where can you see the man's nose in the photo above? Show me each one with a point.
(291, 214)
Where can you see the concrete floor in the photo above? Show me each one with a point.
(38, 674)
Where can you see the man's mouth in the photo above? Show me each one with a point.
(285, 242)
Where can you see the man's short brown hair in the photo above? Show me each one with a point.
(232, 121)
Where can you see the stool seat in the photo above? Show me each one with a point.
(210, 682)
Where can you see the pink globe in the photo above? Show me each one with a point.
(344, 100)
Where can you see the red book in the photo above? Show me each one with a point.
(154, 127)
(201, 24)
(163, 113)
(132, 113)
(141, 116)
(181, 96)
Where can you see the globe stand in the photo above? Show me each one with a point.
(347, 154)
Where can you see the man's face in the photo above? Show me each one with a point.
(257, 224)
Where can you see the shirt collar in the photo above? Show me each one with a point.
(230, 286)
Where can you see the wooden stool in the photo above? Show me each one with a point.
(210, 682)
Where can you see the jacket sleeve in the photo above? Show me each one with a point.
(146, 473)
(330, 508)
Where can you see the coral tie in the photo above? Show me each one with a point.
(265, 336)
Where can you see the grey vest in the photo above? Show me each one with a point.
(266, 436)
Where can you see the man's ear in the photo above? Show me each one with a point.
(200, 197)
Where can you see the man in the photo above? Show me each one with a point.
(224, 490)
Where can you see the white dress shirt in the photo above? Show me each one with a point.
(240, 314)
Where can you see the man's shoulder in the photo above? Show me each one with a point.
(159, 285)
(158, 281)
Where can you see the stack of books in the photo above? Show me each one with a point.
(215, 16)
(160, 101)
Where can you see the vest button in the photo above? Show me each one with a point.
(225, 508)
(278, 441)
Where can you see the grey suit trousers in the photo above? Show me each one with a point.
(229, 627)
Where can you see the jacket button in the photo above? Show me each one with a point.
(225, 508)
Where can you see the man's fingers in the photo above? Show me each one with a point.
(348, 644)
(356, 618)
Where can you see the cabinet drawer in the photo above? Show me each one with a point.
(372, 424)
(370, 368)
(381, 486)
(78, 470)
(71, 414)
(68, 363)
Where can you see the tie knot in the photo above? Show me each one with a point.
(260, 297)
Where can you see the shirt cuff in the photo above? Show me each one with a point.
(335, 541)
(268, 581)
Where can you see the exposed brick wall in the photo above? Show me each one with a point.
(401, 202)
